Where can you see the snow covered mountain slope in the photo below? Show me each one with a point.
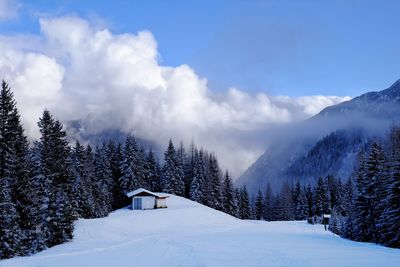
(190, 234)
(296, 152)
(382, 104)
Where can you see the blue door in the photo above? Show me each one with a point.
(137, 203)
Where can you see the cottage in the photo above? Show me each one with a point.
(143, 199)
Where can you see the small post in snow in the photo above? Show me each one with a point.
(325, 220)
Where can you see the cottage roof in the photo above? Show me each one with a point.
(142, 190)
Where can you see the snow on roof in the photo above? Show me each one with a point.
(142, 190)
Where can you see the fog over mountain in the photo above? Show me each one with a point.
(82, 71)
(327, 143)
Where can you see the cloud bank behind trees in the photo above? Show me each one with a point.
(83, 72)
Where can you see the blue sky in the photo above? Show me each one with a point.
(278, 47)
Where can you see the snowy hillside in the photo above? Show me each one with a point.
(189, 234)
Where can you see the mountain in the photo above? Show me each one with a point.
(327, 143)
(372, 105)
(190, 234)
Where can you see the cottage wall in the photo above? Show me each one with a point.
(161, 202)
(148, 202)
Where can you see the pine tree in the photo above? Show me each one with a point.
(214, 196)
(244, 204)
(287, 202)
(237, 202)
(38, 191)
(228, 197)
(153, 172)
(300, 202)
(258, 210)
(277, 210)
(115, 157)
(188, 169)
(371, 178)
(349, 208)
(54, 153)
(198, 186)
(206, 185)
(296, 195)
(320, 198)
(128, 180)
(102, 182)
(21, 174)
(327, 208)
(82, 187)
(349, 228)
(252, 207)
(89, 182)
(11, 234)
(389, 220)
(181, 160)
(172, 172)
(336, 222)
(361, 203)
(391, 232)
(310, 201)
(140, 168)
(340, 198)
(332, 186)
(267, 205)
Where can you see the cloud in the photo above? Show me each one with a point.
(302, 106)
(8, 9)
(80, 71)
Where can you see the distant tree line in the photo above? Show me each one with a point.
(300, 202)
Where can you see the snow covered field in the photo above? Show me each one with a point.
(189, 234)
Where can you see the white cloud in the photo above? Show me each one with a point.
(8, 9)
(80, 71)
